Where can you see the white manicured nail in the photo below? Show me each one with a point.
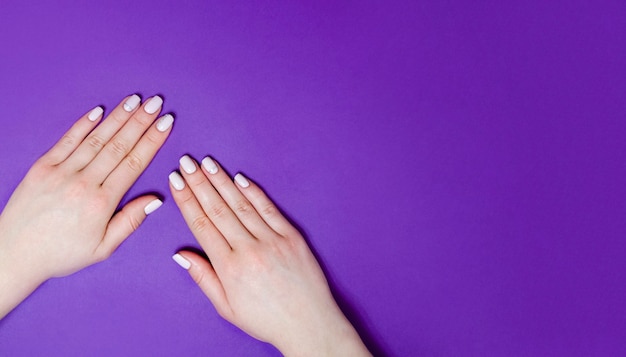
(177, 182)
(242, 180)
(187, 164)
(131, 103)
(152, 206)
(153, 104)
(95, 113)
(164, 122)
(209, 165)
(184, 263)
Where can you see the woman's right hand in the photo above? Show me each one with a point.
(261, 276)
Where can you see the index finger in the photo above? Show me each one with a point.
(209, 237)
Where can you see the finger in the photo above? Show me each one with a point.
(126, 222)
(124, 141)
(92, 145)
(265, 207)
(210, 239)
(205, 276)
(238, 203)
(73, 137)
(214, 206)
(127, 172)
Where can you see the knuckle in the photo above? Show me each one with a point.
(41, 168)
(199, 277)
(100, 203)
(118, 147)
(269, 209)
(243, 207)
(200, 224)
(143, 120)
(95, 142)
(118, 117)
(218, 210)
(68, 141)
(133, 223)
(257, 263)
(292, 246)
(186, 198)
(134, 163)
(220, 181)
(152, 138)
(78, 190)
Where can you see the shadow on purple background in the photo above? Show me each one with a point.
(457, 167)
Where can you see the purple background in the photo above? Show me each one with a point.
(458, 168)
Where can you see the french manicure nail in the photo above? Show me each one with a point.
(209, 165)
(152, 206)
(164, 122)
(187, 164)
(131, 103)
(95, 113)
(176, 181)
(153, 104)
(180, 260)
(242, 180)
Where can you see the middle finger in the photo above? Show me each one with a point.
(213, 204)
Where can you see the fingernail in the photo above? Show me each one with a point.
(242, 180)
(187, 164)
(184, 263)
(177, 181)
(209, 165)
(153, 104)
(131, 103)
(95, 113)
(164, 122)
(152, 206)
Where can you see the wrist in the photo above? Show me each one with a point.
(18, 279)
(333, 337)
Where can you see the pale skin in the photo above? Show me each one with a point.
(61, 218)
(262, 276)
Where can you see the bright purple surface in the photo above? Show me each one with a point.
(458, 168)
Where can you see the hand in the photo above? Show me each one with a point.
(262, 276)
(61, 218)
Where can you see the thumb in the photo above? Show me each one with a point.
(204, 275)
(127, 221)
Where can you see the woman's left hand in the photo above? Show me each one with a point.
(61, 218)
